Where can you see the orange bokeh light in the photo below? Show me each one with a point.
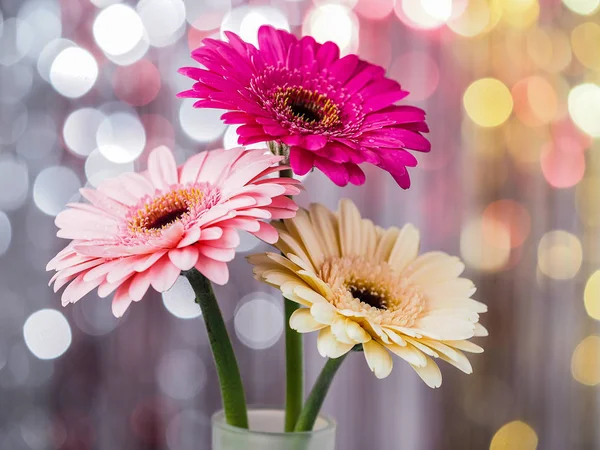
(513, 216)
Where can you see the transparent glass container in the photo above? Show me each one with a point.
(266, 433)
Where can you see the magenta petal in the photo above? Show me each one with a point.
(355, 173)
(302, 161)
(314, 142)
(402, 179)
(327, 54)
(335, 172)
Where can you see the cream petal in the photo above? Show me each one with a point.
(305, 265)
(287, 289)
(338, 328)
(369, 238)
(465, 346)
(328, 346)
(303, 227)
(323, 313)
(427, 350)
(303, 322)
(453, 304)
(408, 353)
(350, 227)
(386, 243)
(327, 224)
(455, 288)
(278, 277)
(430, 373)
(480, 330)
(356, 332)
(309, 295)
(395, 337)
(441, 328)
(287, 244)
(442, 349)
(316, 283)
(378, 358)
(282, 260)
(405, 249)
(434, 267)
(461, 362)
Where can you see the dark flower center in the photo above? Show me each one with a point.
(307, 106)
(369, 297)
(167, 219)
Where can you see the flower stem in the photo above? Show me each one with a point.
(315, 400)
(232, 390)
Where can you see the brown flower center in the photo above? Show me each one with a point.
(373, 289)
(160, 212)
(308, 106)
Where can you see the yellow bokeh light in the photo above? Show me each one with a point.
(485, 244)
(549, 48)
(478, 17)
(584, 107)
(583, 7)
(559, 255)
(585, 363)
(524, 144)
(515, 435)
(520, 13)
(488, 102)
(591, 295)
(584, 40)
(588, 206)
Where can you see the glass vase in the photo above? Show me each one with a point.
(266, 433)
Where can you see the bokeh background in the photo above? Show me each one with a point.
(512, 185)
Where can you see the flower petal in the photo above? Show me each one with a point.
(303, 322)
(378, 358)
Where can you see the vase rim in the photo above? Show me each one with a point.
(218, 419)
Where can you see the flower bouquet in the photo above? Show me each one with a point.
(363, 288)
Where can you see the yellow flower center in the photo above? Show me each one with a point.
(373, 289)
(308, 106)
(159, 212)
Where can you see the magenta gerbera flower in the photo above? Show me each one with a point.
(143, 229)
(334, 113)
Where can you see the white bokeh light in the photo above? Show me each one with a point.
(98, 168)
(80, 128)
(43, 17)
(258, 321)
(427, 14)
(582, 7)
(332, 22)
(121, 137)
(16, 40)
(204, 14)
(49, 54)
(14, 183)
(118, 29)
(164, 20)
(180, 300)
(5, 233)
(584, 108)
(181, 374)
(201, 124)
(73, 72)
(47, 334)
(230, 139)
(53, 188)
(246, 20)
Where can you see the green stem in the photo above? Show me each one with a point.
(315, 400)
(294, 371)
(232, 390)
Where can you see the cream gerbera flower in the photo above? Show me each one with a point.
(365, 285)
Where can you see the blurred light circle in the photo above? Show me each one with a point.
(485, 244)
(73, 72)
(14, 183)
(418, 73)
(258, 321)
(488, 102)
(47, 334)
(559, 255)
(121, 137)
(535, 101)
(96, 317)
(104, 3)
(562, 167)
(53, 188)
(259, 16)
(15, 82)
(591, 295)
(159, 131)
(515, 435)
(248, 242)
(40, 139)
(520, 13)
(201, 124)
(181, 374)
(332, 22)
(80, 128)
(374, 9)
(476, 18)
(584, 108)
(137, 84)
(424, 14)
(512, 215)
(118, 29)
(49, 54)
(13, 122)
(44, 18)
(16, 40)
(587, 203)
(180, 300)
(585, 363)
(205, 15)
(549, 48)
(98, 168)
(164, 20)
(584, 40)
(582, 7)
(5, 235)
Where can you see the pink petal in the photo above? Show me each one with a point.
(191, 236)
(192, 167)
(139, 285)
(218, 254)
(121, 300)
(210, 234)
(77, 289)
(162, 167)
(163, 274)
(215, 271)
(267, 233)
(184, 258)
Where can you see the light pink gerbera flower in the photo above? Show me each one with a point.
(143, 229)
(334, 113)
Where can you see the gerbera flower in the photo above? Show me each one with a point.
(365, 285)
(143, 229)
(334, 113)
